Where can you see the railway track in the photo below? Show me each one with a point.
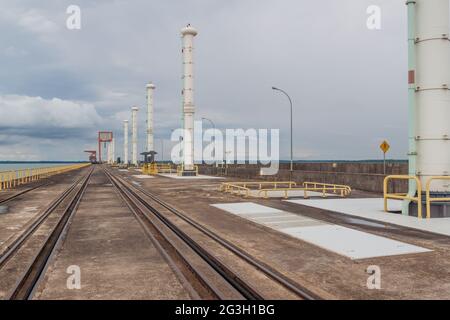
(18, 194)
(33, 272)
(153, 213)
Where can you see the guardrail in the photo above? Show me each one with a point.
(259, 184)
(180, 170)
(13, 178)
(243, 188)
(402, 196)
(324, 190)
(430, 199)
(335, 188)
(165, 168)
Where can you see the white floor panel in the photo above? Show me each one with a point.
(348, 242)
(352, 243)
(246, 208)
(372, 208)
(142, 176)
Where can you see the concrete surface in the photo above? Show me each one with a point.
(373, 209)
(341, 240)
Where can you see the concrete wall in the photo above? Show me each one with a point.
(366, 176)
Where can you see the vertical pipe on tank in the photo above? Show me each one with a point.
(432, 50)
(150, 144)
(125, 141)
(412, 152)
(134, 156)
(188, 33)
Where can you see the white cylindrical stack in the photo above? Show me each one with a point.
(150, 89)
(188, 33)
(432, 91)
(108, 153)
(113, 151)
(134, 155)
(125, 141)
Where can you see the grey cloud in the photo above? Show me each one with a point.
(348, 83)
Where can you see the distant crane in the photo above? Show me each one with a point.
(92, 156)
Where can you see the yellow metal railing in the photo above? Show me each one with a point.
(165, 168)
(326, 187)
(276, 184)
(180, 169)
(243, 188)
(430, 199)
(402, 196)
(150, 168)
(13, 178)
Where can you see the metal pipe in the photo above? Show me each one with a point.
(188, 33)
(292, 152)
(412, 148)
(150, 143)
(134, 138)
(214, 128)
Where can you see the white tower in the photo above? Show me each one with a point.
(125, 141)
(432, 80)
(134, 155)
(108, 153)
(188, 33)
(429, 97)
(150, 89)
(113, 151)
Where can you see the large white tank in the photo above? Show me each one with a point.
(432, 79)
(188, 33)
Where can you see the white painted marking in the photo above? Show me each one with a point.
(352, 243)
(372, 209)
(341, 240)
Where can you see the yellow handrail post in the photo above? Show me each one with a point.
(387, 195)
(429, 199)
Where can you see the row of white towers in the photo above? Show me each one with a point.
(188, 33)
(134, 129)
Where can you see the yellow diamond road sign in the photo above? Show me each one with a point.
(385, 146)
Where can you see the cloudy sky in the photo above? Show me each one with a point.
(58, 87)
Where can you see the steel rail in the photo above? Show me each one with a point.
(30, 279)
(12, 247)
(155, 233)
(275, 275)
(226, 273)
(3, 201)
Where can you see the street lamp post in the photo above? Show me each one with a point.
(214, 127)
(292, 153)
